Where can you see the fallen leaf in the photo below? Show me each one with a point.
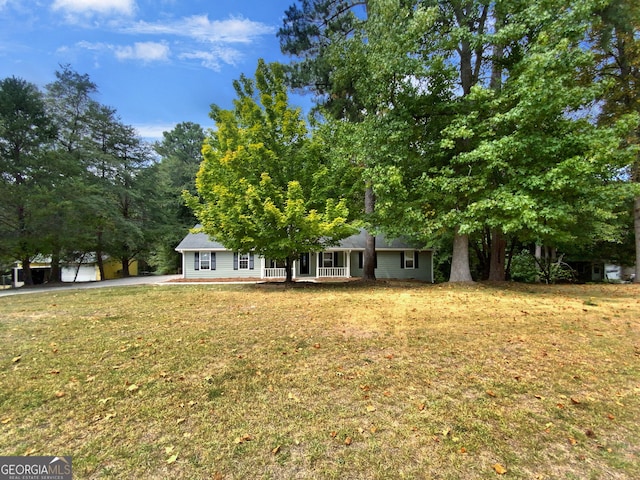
(316, 345)
(275, 450)
(169, 450)
(421, 407)
(60, 394)
(347, 441)
(217, 476)
(242, 439)
(371, 408)
(333, 434)
(133, 387)
(490, 393)
(16, 359)
(463, 450)
(6, 420)
(500, 470)
(575, 401)
(180, 420)
(572, 440)
(172, 459)
(611, 417)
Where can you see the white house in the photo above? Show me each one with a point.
(204, 258)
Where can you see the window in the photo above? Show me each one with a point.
(243, 261)
(327, 259)
(409, 259)
(204, 261)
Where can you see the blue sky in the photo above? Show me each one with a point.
(157, 62)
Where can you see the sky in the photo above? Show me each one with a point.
(158, 63)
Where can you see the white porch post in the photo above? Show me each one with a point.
(318, 257)
(348, 272)
(293, 266)
(262, 266)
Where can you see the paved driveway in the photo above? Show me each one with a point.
(119, 282)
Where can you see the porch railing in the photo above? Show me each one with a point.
(332, 271)
(275, 273)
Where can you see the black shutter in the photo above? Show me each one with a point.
(416, 254)
(320, 260)
(213, 260)
(401, 259)
(360, 260)
(251, 261)
(196, 260)
(375, 260)
(336, 256)
(235, 260)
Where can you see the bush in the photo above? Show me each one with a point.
(523, 268)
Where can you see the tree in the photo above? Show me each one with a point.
(123, 198)
(616, 38)
(26, 131)
(316, 33)
(181, 154)
(260, 182)
(69, 100)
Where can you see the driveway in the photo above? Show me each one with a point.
(119, 282)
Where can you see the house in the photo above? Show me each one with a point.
(205, 258)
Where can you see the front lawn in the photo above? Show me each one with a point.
(353, 381)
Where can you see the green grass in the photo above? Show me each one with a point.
(353, 381)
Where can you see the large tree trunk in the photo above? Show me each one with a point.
(497, 270)
(125, 267)
(27, 278)
(56, 272)
(369, 257)
(288, 268)
(460, 271)
(636, 225)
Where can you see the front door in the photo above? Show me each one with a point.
(304, 264)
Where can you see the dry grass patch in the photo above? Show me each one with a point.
(325, 381)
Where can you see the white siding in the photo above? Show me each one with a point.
(389, 266)
(224, 267)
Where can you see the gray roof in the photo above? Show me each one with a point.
(201, 241)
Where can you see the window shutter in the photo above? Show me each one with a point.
(335, 259)
(360, 260)
(196, 260)
(320, 260)
(416, 254)
(251, 261)
(375, 260)
(213, 260)
(401, 259)
(235, 260)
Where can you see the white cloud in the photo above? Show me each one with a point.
(153, 131)
(199, 27)
(103, 7)
(214, 58)
(145, 51)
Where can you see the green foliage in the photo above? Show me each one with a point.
(260, 186)
(523, 268)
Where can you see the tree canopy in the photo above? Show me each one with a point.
(261, 182)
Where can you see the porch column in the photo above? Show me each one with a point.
(262, 266)
(348, 264)
(318, 257)
(294, 264)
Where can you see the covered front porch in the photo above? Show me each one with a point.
(322, 265)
